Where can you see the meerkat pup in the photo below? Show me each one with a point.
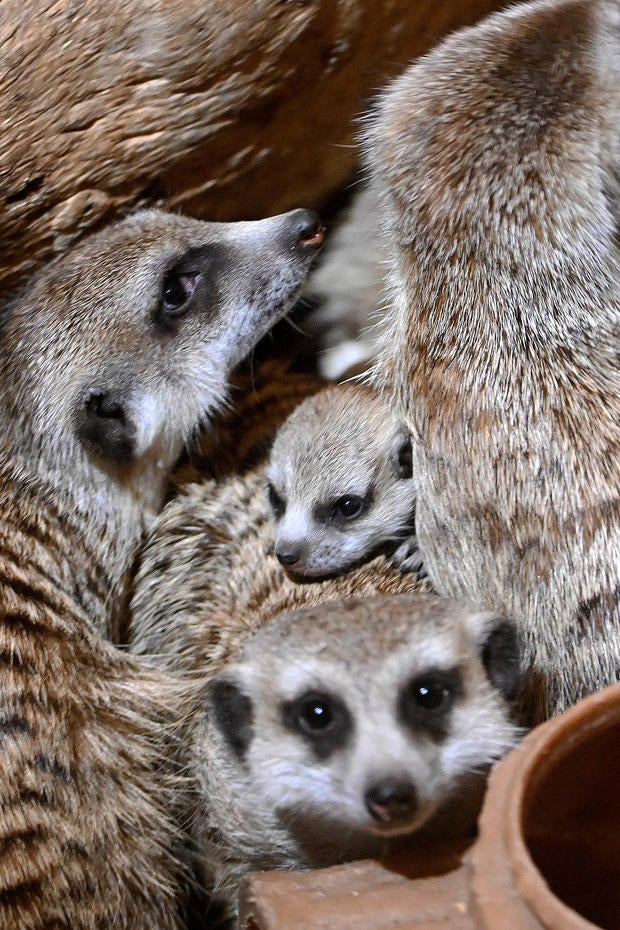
(341, 485)
(341, 730)
(499, 158)
(108, 362)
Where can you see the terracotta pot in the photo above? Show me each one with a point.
(547, 856)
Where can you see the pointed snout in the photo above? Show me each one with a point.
(303, 230)
(287, 555)
(392, 801)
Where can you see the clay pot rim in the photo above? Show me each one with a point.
(545, 746)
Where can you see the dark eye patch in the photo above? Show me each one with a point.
(321, 719)
(233, 713)
(189, 284)
(426, 701)
(405, 460)
(276, 502)
(344, 509)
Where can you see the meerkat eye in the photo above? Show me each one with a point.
(322, 720)
(426, 701)
(315, 713)
(177, 289)
(276, 502)
(430, 694)
(348, 507)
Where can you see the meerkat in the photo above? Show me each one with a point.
(344, 731)
(238, 440)
(498, 158)
(208, 575)
(108, 362)
(340, 483)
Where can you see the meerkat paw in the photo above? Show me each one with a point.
(408, 558)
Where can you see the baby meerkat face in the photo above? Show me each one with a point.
(132, 336)
(340, 482)
(336, 727)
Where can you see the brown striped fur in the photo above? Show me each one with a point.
(498, 158)
(87, 836)
(208, 576)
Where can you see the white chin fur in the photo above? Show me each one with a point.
(149, 418)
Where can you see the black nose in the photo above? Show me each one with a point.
(305, 228)
(391, 800)
(287, 556)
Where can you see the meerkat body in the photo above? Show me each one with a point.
(501, 345)
(208, 576)
(340, 483)
(108, 362)
(340, 731)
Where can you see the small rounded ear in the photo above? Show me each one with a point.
(501, 656)
(103, 424)
(403, 457)
(232, 712)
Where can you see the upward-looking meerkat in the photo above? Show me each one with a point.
(498, 155)
(108, 362)
(340, 483)
(341, 731)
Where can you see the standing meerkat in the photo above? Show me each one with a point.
(340, 483)
(498, 157)
(108, 362)
(341, 731)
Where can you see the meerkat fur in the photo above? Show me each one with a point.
(348, 730)
(498, 159)
(108, 362)
(340, 483)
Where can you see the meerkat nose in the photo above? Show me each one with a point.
(287, 556)
(306, 228)
(391, 800)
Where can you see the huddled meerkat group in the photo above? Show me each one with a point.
(349, 596)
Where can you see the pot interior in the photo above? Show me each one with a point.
(571, 819)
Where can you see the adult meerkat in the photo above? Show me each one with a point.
(498, 156)
(107, 363)
(340, 483)
(341, 731)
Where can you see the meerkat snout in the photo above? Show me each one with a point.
(343, 727)
(392, 800)
(126, 373)
(340, 483)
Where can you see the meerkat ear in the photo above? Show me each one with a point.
(402, 455)
(104, 424)
(500, 652)
(232, 712)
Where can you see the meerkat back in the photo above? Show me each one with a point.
(498, 158)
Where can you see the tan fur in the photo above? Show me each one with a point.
(99, 394)
(239, 438)
(208, 577)
(498, 159)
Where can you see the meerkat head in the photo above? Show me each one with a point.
(364, 717)
(126, 343)
(339, 481)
